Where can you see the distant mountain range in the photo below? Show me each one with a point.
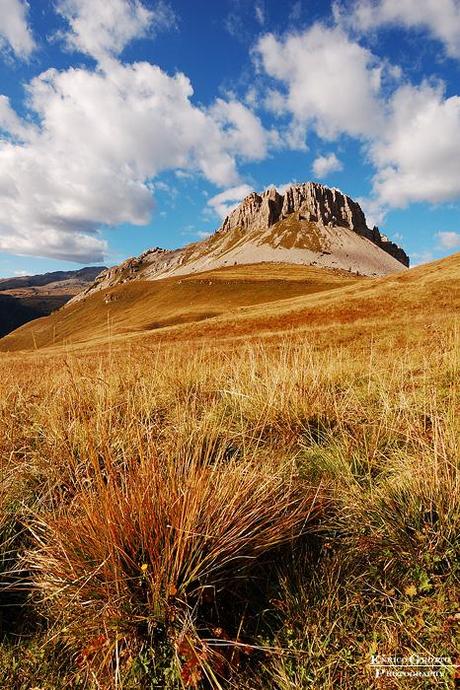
(65, 279)
(24, 298)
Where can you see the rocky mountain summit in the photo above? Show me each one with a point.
(309, 224)
(314, 203)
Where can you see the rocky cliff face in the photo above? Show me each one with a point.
(313, 202)
(309, 224)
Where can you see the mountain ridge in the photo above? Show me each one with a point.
(309, 224)
(41, 279)
(26, 298)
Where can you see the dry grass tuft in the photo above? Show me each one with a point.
(143, 550)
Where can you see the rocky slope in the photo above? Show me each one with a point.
(309, 224)
(313, 203)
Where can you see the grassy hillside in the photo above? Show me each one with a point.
(146, 306)
(407, 307)
(260, 300)
(25, 298)
(263, 499)
(15, 311)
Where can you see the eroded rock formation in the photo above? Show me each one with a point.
(313, 202)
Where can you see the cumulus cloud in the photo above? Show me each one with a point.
(100, 28)
(417, 154)
(101, 137)
(243, 130)
(324, 165)
(441, 18)
(449, 240)
(222, 204)
(15, 33)
(328, 81)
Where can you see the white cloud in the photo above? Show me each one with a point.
(11, 124)
(449, 240)
(333, 85)
(323, 165)
(183, 174)
(275, 102)
(222, 204)
(57, 244)
(260, 13)
(164, 187)
(243, 130)
(101, 137)
(330, 82)
(441, 18)
(294, 136)
(417, 154)
(100, 28)
(15, 33)
(373, 209)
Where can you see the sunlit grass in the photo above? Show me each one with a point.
(264, 516)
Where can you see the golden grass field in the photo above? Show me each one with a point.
(174, 304)
(242, 479)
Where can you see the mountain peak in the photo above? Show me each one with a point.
(308, 224)
(312, 202)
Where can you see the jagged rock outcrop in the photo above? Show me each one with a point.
(307, 224)
(313, 202)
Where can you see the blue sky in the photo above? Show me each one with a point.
(127, 124)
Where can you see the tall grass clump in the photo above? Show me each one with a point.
(162, 555)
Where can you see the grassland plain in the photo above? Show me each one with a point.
(262, 499)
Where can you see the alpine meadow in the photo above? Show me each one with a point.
(232, 463)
